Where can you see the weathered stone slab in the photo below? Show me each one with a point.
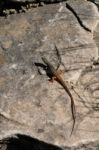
(29, 103)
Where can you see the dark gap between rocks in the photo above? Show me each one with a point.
(22, 6)
(15, 5)
(24, 142)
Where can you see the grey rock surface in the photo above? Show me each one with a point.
(29, 103)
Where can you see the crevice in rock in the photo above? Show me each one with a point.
(24, 142)
(78, 18)
(8, 119)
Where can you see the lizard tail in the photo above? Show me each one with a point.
(73, 115)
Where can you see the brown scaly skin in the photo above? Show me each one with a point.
(54, 74)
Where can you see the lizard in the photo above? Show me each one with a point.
(54, 74)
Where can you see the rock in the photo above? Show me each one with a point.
(84, 20)
(29, 103)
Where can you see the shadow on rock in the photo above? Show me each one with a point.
(24, 142)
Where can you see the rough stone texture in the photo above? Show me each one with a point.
(29, 103)
(96, 36)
